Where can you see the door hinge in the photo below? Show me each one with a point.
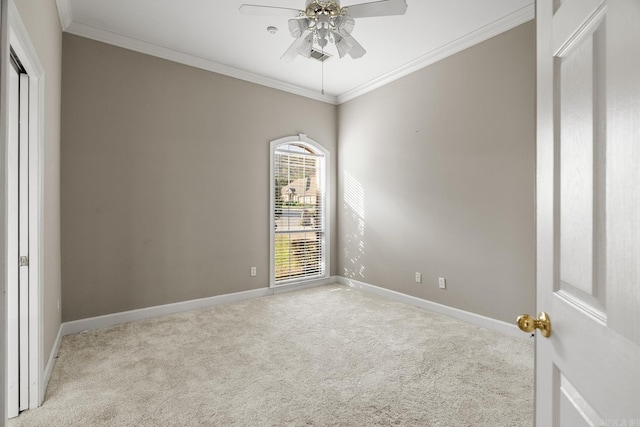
(24, 261)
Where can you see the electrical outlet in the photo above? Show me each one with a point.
(442, 282)
(58, 305)
(418, 277)
(253, 272)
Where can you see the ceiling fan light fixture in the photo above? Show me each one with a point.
(323, 33)
(297, 26)
(342, 45)
(322, 22)
(305, 48)
(344, 24)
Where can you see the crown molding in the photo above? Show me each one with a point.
(64, 12)
(191, 60)
(492, 29)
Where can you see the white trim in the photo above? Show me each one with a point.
(327, 208)
(21, 44)
(64, 11)
(290, 287)
(473, 318)
(191, 60)
(52, 359)
(492, 29)
(108, 320)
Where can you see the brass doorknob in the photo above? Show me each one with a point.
(527, 323)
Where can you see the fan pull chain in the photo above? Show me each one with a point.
(322, 65)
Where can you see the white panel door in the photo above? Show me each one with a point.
(13, 269)
(588, 370)
(18, 243)
(23, 241)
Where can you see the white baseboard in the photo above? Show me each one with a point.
(99, 322)
(280, 289)
(107, 320)
(46, 375)
(476, 319)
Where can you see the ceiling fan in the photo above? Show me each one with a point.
(322, 22)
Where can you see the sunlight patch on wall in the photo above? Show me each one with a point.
(354, 236)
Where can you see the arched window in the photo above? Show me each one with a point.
(299, 210)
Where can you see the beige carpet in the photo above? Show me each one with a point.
(327, 356)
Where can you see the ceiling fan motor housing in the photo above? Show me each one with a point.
(316, 8)
(323, 18)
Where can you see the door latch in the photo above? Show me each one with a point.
(24, 261)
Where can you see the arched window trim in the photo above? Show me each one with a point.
(325, 186)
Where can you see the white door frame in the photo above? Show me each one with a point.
(22, 46)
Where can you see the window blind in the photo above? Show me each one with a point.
(299, 176)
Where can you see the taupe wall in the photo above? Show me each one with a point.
(436, 175)
(43, 25)
(165, 178)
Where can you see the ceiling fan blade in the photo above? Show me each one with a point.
(253, 9)
(294, 49)
(377, 8)
(356, 51)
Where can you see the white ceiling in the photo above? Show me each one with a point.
(213, 35)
